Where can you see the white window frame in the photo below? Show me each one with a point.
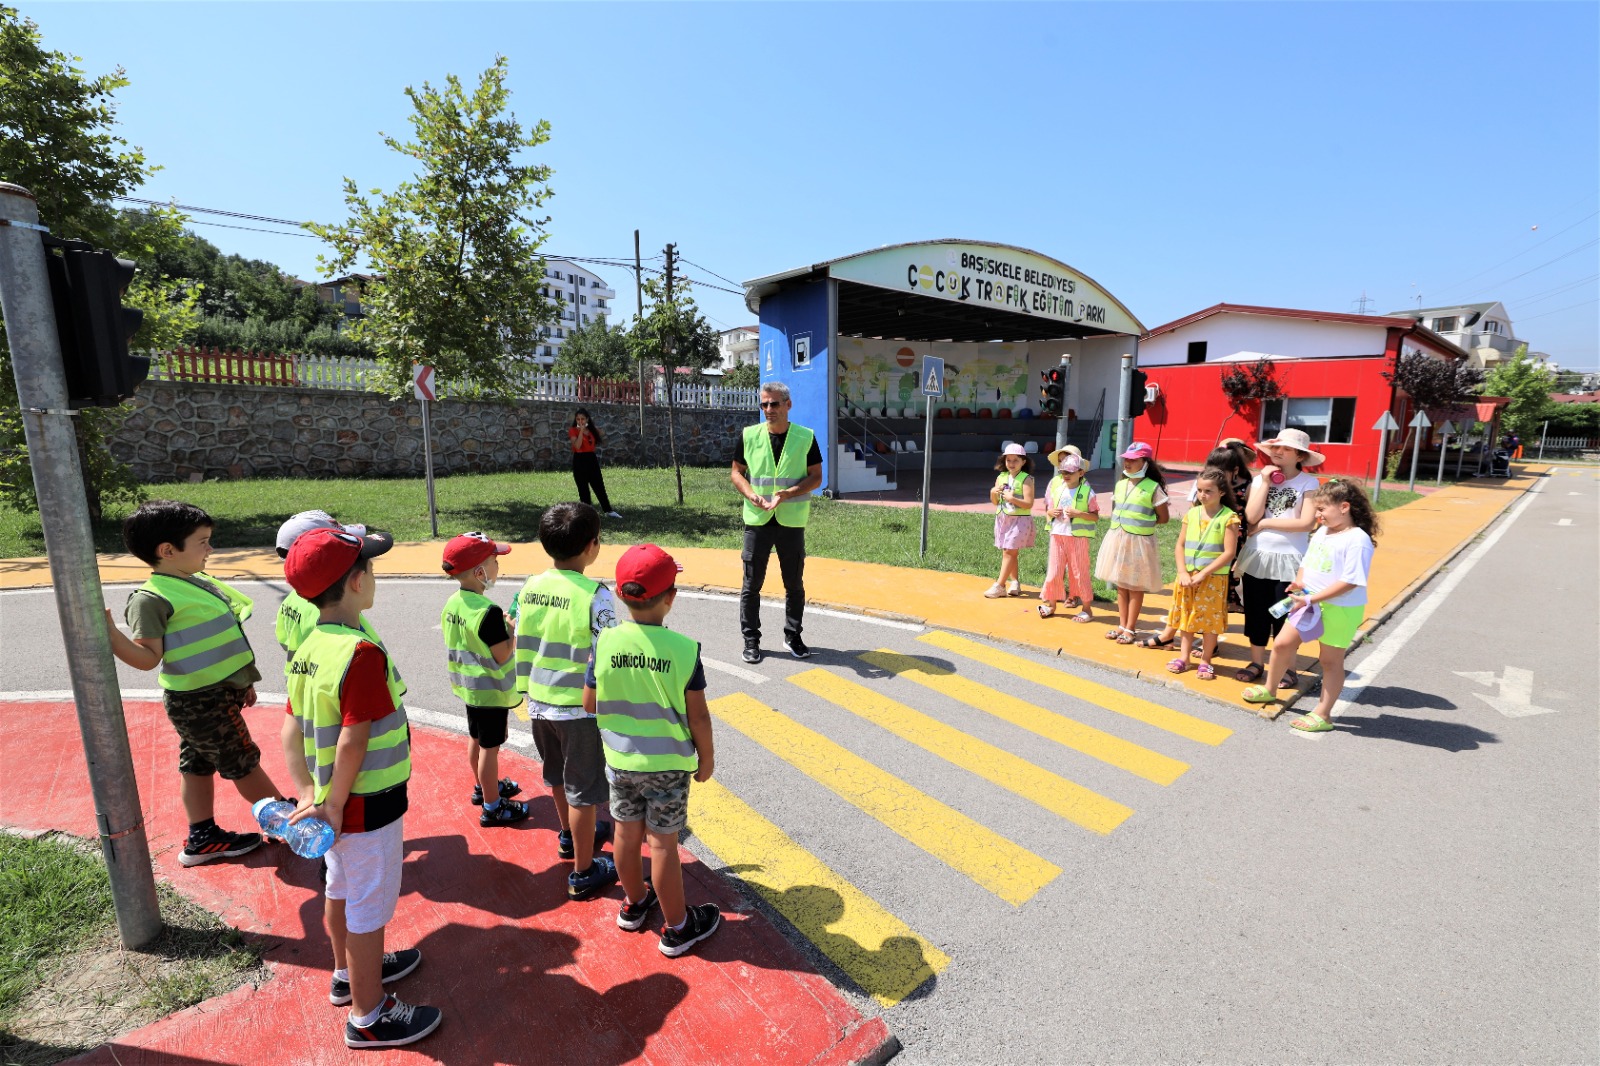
(1275, 417)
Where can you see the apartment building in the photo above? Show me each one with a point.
(584, 297)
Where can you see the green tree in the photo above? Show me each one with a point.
(596, 350)
(1527, 385)
(58, 139)
(674, 335)
(743, 376)
(455, 251)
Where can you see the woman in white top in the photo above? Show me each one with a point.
(1279, 516)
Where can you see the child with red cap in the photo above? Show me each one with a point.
(478, 659)
(647, 686)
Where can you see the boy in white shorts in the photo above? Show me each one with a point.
(348, 746)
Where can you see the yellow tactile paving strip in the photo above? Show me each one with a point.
(1416, 540)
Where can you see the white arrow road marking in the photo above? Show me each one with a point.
(1565, 522)
(1515, 698)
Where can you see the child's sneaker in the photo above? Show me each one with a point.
(398, 1023)
(700, 923)
(602, 833)
(508, 788)
(632, 915)
(396, 964)
(601, 874)
(509, 812)
(217, 843)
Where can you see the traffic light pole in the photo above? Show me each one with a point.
(1066, 381)
(1124, 402)
(69, 542)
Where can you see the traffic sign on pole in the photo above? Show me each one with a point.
(423, 385)
(1383, 425)
(422, 382)
(932, 375)
(932, 386)
(1419, 424)
(1446, 431)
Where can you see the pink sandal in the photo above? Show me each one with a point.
(1205, 673)
(1178, 665)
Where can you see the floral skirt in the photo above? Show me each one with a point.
(1201, 609)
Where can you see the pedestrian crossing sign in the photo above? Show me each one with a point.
(932, 376)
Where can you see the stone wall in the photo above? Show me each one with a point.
(178, 431)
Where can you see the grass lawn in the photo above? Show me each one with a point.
(507, 507)
(66, 984)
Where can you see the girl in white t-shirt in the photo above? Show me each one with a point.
(1333, 578)
(1070, 506)
(1277, 514)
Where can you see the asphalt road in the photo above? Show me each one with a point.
(1418, 886)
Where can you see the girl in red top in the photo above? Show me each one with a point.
(583, 436)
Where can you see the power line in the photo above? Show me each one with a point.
(1450, 287)
(1523, 301)
(1558, 310)
(209, 211)
(708, 270)
(252, 229)
(1541, 266)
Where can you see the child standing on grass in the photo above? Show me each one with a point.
(191, 627)
(478, 651)
(1071, 507)
(1012, 496)
(347, 743)
(648, 687)
(1333, 582)
(1206, 545)
(1129, 558)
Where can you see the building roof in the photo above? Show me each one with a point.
(1575, 397)
(1419, 312)
(1382, 321)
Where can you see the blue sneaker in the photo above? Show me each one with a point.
(602, 833)
(601, 875)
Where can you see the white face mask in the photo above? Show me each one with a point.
(488, 582)
(1136, 473)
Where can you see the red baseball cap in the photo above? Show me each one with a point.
(320, 557)
(647, 565)
(469, 550)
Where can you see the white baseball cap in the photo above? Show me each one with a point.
(305, 522)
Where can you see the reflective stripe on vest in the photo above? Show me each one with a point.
(1133, 507)
(298, 616)
(475, 677)
(1081, 527)
(316, 678)
(553, 637)
(1200, 546)
(767, 475)
(1012, 483)
(204, 644)
(640, 674)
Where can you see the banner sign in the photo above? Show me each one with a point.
(1009, 279)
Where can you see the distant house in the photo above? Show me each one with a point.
(1330, 366)
(1482, 330)
(737, 346)
(584, 296)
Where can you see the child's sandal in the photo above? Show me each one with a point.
(1126, 636)
(1205, 672)
(1046, 610)
(1178, 665)
(1083, 616)
(1113, 633)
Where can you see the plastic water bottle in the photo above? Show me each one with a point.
(1282, 608)
(309, 838)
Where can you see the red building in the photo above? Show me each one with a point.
(1329, 366)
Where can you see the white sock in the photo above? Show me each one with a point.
(341, 975)
(369, 1019)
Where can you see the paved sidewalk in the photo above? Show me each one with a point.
(521, 973)
(1415, 542)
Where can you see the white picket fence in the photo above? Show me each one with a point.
(1566, 444)
(360, 375)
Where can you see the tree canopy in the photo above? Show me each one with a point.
(1527, 385)
(597, 350)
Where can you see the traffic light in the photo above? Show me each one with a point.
(87, 286)
(1136, 394)
(1051, 391)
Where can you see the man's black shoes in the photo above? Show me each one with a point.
(797, 647)
(752, 652)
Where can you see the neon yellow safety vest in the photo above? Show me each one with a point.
(640, 673)
(204, 644)
(1133, 507)
(475, 678)
(298, 616)
(553, 637)
(1203, 544)
(316, 676)
(1011, 483)
(768, 475)
(1053, 495)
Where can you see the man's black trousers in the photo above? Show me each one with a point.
(758, 544)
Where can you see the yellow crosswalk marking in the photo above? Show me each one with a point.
(1054, 793)
(1184, 725)
(1009, 871)
(1095, 743)
(878, 951)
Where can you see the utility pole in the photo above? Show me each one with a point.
(638, 316)
(52, 442)
(671, 370)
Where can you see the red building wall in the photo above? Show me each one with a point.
(1192, 413)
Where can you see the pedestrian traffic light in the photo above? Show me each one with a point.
(1052, 390)
(1136, 394)
(87, 285)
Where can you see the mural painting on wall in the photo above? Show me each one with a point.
(883, 373)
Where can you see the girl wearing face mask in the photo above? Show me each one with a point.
(1129, 557)
(1072, 510)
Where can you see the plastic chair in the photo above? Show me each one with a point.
(1003, 412)
(984, 412)
(911, 445)
(964, 412)
(1032, 447)
(894, 446)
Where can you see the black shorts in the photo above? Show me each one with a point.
(487, 725)
(212, 735)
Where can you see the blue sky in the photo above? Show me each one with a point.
(1180, 154)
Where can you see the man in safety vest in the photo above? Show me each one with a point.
(776, 467)
(347, 743)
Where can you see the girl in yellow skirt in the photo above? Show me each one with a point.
(1129, 558)
(1207, 544)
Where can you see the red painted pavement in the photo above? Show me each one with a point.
(522, 974)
